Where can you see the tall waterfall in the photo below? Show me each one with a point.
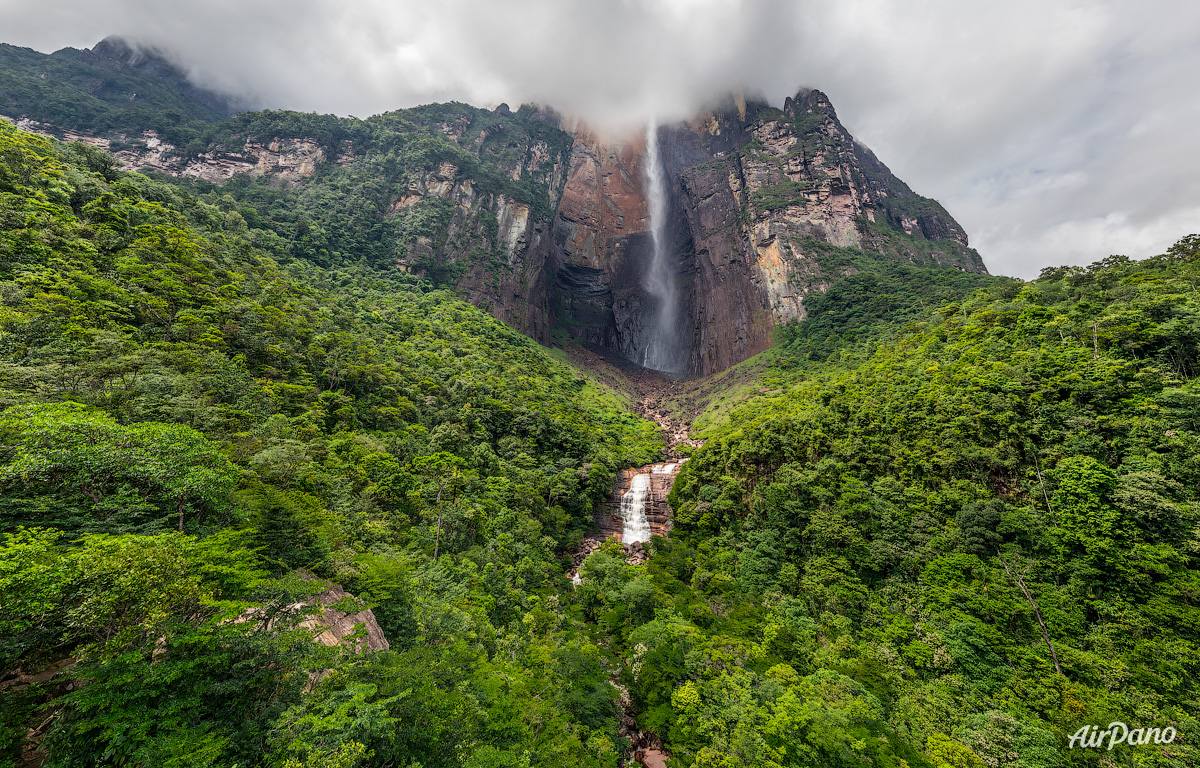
(662, 352)
(633, 510)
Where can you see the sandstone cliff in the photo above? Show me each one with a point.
(284, 160)
(751, 186)
(548, 227)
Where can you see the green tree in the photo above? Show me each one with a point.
(1088, 526)
(979, 524)
(81, 455)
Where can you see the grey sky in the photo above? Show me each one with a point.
(1056, 132)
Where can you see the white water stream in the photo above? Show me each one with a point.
(662, 351)
(633, 510)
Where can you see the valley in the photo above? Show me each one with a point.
(471, 437)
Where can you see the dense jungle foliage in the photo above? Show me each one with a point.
(189, 428)
(864, 555)
(869, 297)
(957, 521)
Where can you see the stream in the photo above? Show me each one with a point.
(635, 511)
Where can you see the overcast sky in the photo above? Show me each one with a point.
(1056, 132)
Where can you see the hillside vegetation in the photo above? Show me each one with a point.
(187, 423)
(345, 212)
(954, 546)
(100, 90)
(954, 521)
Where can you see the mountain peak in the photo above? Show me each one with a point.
(130, 56)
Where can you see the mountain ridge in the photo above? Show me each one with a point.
(946, 521)
(115, 86)
(546, 223)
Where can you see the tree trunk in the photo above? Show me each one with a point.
(1038, 464)
(1020, 580)
(437, 541)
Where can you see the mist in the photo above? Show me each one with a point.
(1055, 132)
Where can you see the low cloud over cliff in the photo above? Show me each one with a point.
(1055, 132)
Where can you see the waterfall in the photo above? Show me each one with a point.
(633, 510)
(662, 350)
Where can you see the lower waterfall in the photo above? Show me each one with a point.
(633, 510)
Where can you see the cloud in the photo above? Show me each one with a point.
(613, 62)
(1056, 131)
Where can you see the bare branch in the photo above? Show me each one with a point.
(1019, 578)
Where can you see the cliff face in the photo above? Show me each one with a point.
(285, 160)
(549, 228)
(494, 245)
(600, 247)
(751, 189)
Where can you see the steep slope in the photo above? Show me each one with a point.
(962, 547)
(187, 426)
(115, 87)
(545, 226)
(461, 196)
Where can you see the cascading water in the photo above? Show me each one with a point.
(633, 510)
(662, 350)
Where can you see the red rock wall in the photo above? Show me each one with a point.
(658, 512)
(749, 186)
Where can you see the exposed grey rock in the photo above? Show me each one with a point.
(333, 626)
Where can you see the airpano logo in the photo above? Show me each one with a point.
(1093, 736)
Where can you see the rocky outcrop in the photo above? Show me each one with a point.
(339, 618)
(285, 160)
(658, 511)
(335, 626)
